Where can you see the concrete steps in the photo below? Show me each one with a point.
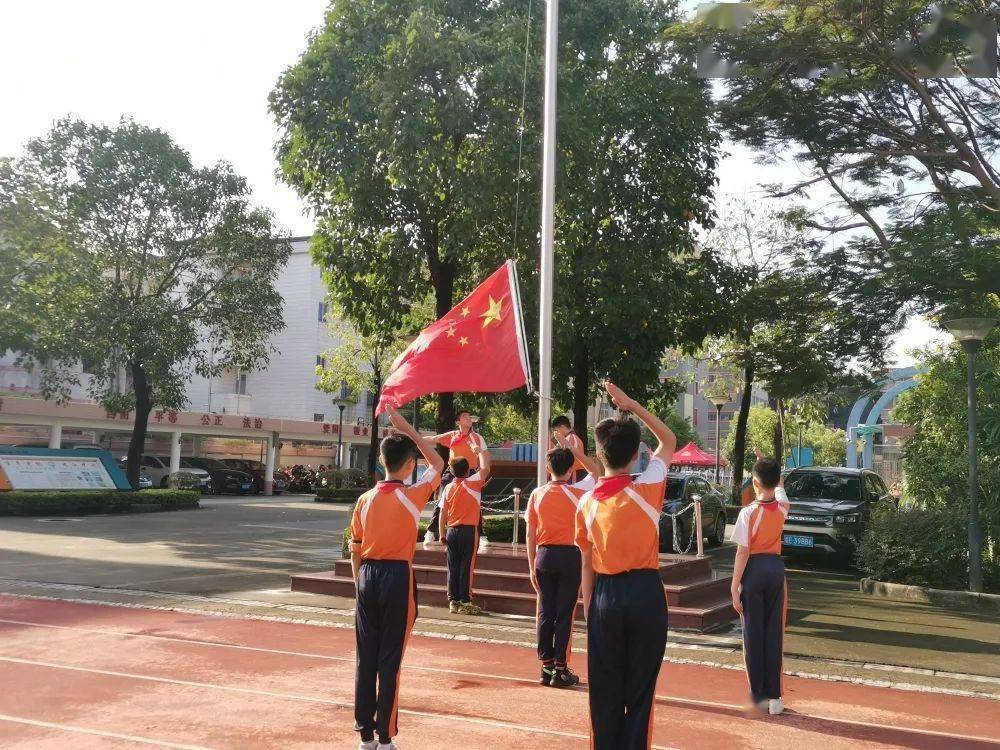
(697, 599)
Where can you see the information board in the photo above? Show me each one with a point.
(26, 472)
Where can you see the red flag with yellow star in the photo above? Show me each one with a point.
(478, 347)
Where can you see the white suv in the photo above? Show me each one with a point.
(158, 469)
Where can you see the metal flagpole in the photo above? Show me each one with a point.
(548, 218)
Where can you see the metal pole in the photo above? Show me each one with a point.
(416, 426)
(975, 532)
(718, 419)
(798, 458)
(548, 234)
(340, 438)
(514, 545)
(698, 528)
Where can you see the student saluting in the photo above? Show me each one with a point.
(618, 532)
(383, 536)
(554, 558)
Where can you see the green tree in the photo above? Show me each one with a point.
(935, 458)
(399, 126)
(134, 260)
(402, 126)
(637, 159)
(906, 154)
(761, 424)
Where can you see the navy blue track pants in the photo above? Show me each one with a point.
(463, 543)
(557, 569)
(765, 598)
(385, 612)
(626, 640)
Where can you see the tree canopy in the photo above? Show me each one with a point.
(137, 263)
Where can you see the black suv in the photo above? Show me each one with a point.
(680, 491)
(225, 480)
(830, 507)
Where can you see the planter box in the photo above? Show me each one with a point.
(961, 600)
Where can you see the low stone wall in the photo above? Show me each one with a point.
(963, 600)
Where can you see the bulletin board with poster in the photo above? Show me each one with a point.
(55, 469)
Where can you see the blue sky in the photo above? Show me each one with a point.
(201, 71)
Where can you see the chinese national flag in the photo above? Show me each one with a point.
(477, 347)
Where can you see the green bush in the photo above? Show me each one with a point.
(922, 547)
(498, 529)
(338, 494)
(84, 502)
(183, 480)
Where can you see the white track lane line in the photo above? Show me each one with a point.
(301, 698)
(693, 703)
(98, 733)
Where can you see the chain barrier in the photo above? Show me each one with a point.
(676, 526)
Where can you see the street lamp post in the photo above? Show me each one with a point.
(341, 402)
(798, 458)
(718, 402)
(970, 332)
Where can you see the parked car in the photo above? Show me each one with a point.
(830, 508)
(225, 480)
(157, 468)
(145, 483)
(681, 490)
(256, 470)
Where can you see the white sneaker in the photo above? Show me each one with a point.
(775, 706)
(390, 746)
(373, 745)
(484, 544)
(429, 538)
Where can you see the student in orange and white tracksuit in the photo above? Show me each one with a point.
(383, 536)
(618, 532)
(760, 591)
(461, 513)
(554, 558)
(463, 442)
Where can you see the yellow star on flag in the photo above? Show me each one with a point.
(492, 314)
(450, 333)
(463, 341)
(466, 312)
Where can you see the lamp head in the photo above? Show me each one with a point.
(970, 332)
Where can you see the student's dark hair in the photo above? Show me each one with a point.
(561, 421)
(768, 472)
(618, 440)
(460, 412)
(559, 461)
(395, 450)
(459, 467)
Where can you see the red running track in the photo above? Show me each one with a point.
(90, 676)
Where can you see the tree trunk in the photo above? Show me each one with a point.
(779, 438)
(143, 406)
(443, 276)
(740, 442)
(373, 439)
(581, 391)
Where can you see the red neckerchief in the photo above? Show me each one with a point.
(388, 485)
(459, 437)
(608, 486)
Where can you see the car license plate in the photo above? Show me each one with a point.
(245, 486)
(798, 541)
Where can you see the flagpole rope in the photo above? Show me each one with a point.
(521, 120)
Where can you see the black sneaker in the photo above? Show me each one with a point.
(548, 673)
(563, 678)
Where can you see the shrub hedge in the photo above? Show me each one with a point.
(85, 502)
(338, 494)
(498, 529)
(922, 547)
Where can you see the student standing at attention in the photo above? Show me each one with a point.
(554, 558)
(760, 592)
(383, 536)
(461, 515)
(618, 533)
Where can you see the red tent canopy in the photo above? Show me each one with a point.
(692, 455)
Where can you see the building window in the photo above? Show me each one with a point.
(369, 399)
(318, 417)
(322, 311)
(241, 384)
(320, 360)
(694, 418)
(87, 365)
(711, 417)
